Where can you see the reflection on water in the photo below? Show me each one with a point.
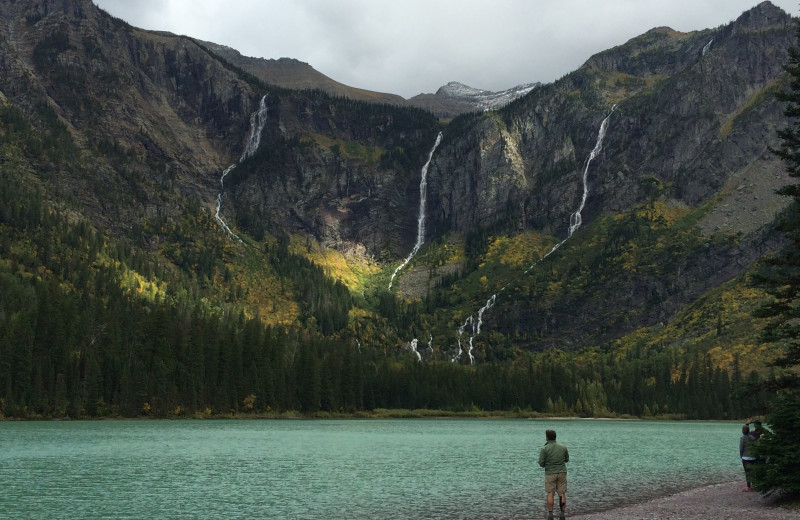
(426, 468)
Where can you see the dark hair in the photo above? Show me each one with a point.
(551, 435)
(745, 429)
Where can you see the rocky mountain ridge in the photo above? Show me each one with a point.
(295, 74)
(449, 100)
(137, 128)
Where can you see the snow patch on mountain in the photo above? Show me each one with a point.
(484, 99)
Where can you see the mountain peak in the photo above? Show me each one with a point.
(456, 89)
(457, 98)
(764, 15)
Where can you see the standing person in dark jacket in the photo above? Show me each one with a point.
(553, 457)
(744, 453)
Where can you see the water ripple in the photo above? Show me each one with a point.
(442, 469)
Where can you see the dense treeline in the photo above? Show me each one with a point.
(326, 301)
(86, 332)
(93, 327)
(778, 447)
(70, 354)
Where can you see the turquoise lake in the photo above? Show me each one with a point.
(310, 469)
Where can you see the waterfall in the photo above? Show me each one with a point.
(414, 347)
(414, 343)
(219, 204)
(574, 223)
(575, 219)
(257, 121)
(461, 330)
(423, 197)
(707, 47)
(476, 329)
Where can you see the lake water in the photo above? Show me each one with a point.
(401, 468)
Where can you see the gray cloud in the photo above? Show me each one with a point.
(416, 46)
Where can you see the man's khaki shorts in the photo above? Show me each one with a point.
(555, 483)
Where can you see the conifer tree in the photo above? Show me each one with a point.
(779, 446)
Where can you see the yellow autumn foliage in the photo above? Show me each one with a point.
(351, 270)
(262, 292)
(520, 250)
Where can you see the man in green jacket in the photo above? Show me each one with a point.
(553, 457)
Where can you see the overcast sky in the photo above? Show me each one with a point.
(409, 47)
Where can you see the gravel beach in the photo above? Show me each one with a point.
(714, 502)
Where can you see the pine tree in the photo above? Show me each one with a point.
(779, 447)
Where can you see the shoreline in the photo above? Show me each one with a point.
(378, 413)
(713, 501)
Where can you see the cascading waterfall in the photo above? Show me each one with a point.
(574, 223)
(219, 204)
(414, 344)
(461, 330)
(476, 328)
(257, 121)
(707, 47)
(423, 195)
(575, 219)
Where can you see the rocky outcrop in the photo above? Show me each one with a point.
(325, 170)
(151, 115)
(693, 126)
(685, 121)
(157, 117)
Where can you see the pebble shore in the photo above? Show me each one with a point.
(714, 502)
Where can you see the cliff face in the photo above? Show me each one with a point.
(691, 110)
(694, 120)
(148, 114)
(135, 128)
(343, 172)
(156, 118)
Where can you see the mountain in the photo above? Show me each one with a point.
(694, 120)
(449, 101)
(294, 74)
(161, 192)
(456, 98)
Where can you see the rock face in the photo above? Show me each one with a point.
(695, 118)
(685, 121)
(346, 175)
(693, 108)
(146, 112)
(138, 126)
(157, 117)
